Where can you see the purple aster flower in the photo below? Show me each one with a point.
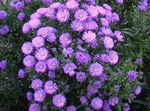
(27, 48)
(68, 51)
(69, 68)
(116, 88)
(103, 77)
(81, 76)
(51, 74)
(132, 76)
(104, 22)
(43, 32)
(21, 73)
(103, 57)
(96, 69)
(120, 2)
(38, 42)
(90, 25)
(41, 54)
(137, 90)
(143, 6)
(16, 5)
(34, 23)
(55, 5)
(3, 14)
(89, 37)
(50, 87)
(91, 90)
(113, 57)
(51, 13)
(106, 6)
(93, 11)
(21, 16)
(39, 95)
(42, 11)
(97, 84)
(35, 16)
(83, 99)
(29, 96)
(28, 1)
(4, 30)
(108, 42)
(40, 67)
(119, 36)
(91, 2)
(77, 26)
(59, 100)
(3, 64)
(65, 39)
(71, 108)
(126, 107)
(29, 61)
(72, 4)
(63, 15)
(51, 37)
(107, 31)
(113, 100)
(97, 103)
(34, 107)
(81, 15)
(26, 28)
(101, 10)
(106, 106)
(36, 84)
(83, 58)
(88, 109)
(139, 61)
(52, 63)
(114, 17)
(47, 1)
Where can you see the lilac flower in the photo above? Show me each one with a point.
(97, 103)
(93, 11)
(52, 63)
(51, 13)
(40, 67)
(36, 84)
(65, 39)
(3, 64)
(83, 58)
(89, 37)
(120, 2)
(97, 84)
(137, 90)
(39, 95)
(126, 107)
(113, 100)
(132, 76)
(77, 26)
(108, 42)
(59, 100)
(3, 14)
(29, 61)
(81, 15)
(34, 23)
(21, 16)
(41, 54)
(90, 25)
(71, 108)
(4, 30)
(34, 107)
(119, 36)
(68, 51)
(81, 76)
(38, 42)
(26, 28)
(69, 68)
(47, 1)
(83, 99)
(29, 96)
(50, 87)
(96, 69)
(113, 57)
(63, 15)
(21, 73)
(72, 4)
(51, 74)
(27, 48)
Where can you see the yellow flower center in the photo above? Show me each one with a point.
(51, 87)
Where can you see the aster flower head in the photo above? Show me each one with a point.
(65, 39)
(104, 22)
(29, 96)
(108, 42)
(29, 61)
(51, 37)
(97, 84)
(96, 69)
(40, 67)
(113, 57)
(77, 26)
(72, 4)
(90, 25)
(119, 36)
(16, 5)
(113, 100)
(37, 84)
(68, 51)
(39, 95)
(21, 73)
(38, 42)
(132, 76)
(120, 2)
(63, 15)
(35, 16)
(69, 68)
(3, 14)
(42, 11)
(91, 90)
(83, 99)
(97, 103)
(101, 10)
(21, 16)
(3, 64)
(89, 37)
(34, 23)
(108, 7)
(41, 54)
(93, 11)
(51, 13)
(27, 48)
(81, 76)
(138, 90)
(51, 74)
(52, 63)
(71, 108)
(4, 30)
(50, 87)
(107, 31)
(59, 100)
(116, 88)
(81, 15)
(34, 107)
(26, 28)
(47, 1)
(28, 1)
(126, 107)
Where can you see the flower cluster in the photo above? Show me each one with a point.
(69, 57)
(144, 5)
